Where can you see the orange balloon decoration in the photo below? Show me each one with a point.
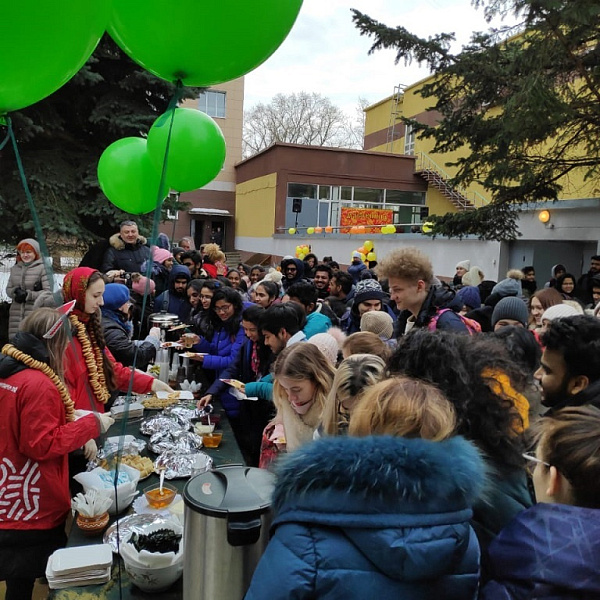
(361, 250)
(318, 230)
(328, 229)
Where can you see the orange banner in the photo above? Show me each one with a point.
(364, 216)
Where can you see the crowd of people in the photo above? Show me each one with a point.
(431, 439)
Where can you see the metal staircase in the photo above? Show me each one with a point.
(439, 179)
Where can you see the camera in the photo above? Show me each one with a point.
(127, 278)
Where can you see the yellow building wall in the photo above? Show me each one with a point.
(378, 116)
(255, 206)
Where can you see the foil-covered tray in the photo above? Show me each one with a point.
(183, 465)
(160, 423)
(127, 526)
(182, 442)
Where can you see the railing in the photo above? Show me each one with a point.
(461, 196)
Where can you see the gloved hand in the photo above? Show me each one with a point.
(104, 422)
(90, 450)
(37, 286)
(20, 295)
(161, 386)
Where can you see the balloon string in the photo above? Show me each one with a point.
(177, 95)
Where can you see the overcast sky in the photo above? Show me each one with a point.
(324, 52)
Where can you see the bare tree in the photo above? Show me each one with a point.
(301, 118)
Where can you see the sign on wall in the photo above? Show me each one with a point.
(365, 216)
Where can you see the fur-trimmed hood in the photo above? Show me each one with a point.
(415, 474)
(118, 244)
(402, 504)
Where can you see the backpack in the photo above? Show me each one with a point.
(471, 325)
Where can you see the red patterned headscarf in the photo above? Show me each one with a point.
(74, 288)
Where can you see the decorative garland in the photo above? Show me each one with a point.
(15, 353)
(93, 360)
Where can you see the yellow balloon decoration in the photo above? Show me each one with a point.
(427, 227)
(371, 256)
(310, 230)
(291, 230)
(368, 245)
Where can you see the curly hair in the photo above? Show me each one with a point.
(577, 339)
(455, 364)
(406, 263)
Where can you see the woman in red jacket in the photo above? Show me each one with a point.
(91, 372)
(38, 428)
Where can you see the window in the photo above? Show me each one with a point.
(409, 140)
(212, 103)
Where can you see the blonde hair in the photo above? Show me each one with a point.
(37, 323)
(405, 407)
(354, 376)
(569, 440)
(303, 362)
(365, 342)
(406, 263)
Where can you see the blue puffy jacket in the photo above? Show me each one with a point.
(549, 551)
(222, 349)
(377, 517)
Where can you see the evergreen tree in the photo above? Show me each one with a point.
(61, 139)
(523, 101)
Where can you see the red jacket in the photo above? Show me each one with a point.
(35, 440)
(76, 378)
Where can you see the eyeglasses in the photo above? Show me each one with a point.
(533, 461)
(223, 309)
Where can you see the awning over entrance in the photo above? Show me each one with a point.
(210, 212)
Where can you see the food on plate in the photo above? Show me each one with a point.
(238, 385)
(155, 403)
(142, 463)
(174, 396)
(161, 540)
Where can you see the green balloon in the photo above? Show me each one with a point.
(201, 43)
(128, 178)
(43, 43)
(196, 150)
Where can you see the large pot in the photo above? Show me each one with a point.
(164, 321)
(226, 529)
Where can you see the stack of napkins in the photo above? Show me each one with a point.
(135, 410)
(80, 565)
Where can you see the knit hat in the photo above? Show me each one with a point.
(159, 255)
(177, 250)
(115, 295)
(470, 296)
(368, 289)
(327, 344)
(356, 255)
(510, 308)
(474, 276)
(465, 264)
(30, 242)
(378, 322)
(139, 285)
(558, 311)
(508, 287)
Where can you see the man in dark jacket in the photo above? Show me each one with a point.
(175, 299)
(293, 271)
(585, 282)
(127, 251)
(410, 273)
(570, 366)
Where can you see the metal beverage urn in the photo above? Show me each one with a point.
(226, 530)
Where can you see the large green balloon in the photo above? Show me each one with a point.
(43, 43)
(196, 150)
(201, 42)
(128, 178)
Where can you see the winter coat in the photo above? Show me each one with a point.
(355, 269)
(437, 299)
(374, 518)
(170, 302)
(548, 552)
(31, 278)
(35, 440)
(221, 350)
(123, 348)
(316, 322)
(126, 257)
(77, 378)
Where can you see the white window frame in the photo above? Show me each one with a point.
(208, 102)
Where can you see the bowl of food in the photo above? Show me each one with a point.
(158, 498)
(212, 440)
